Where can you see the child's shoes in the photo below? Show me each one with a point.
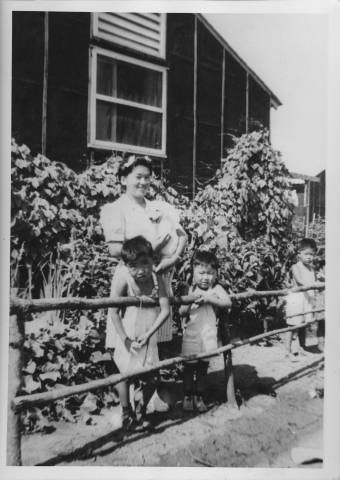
(188, 403)
(199, 404)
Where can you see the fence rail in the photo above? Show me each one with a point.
(18, 305)
(20, 308)
(35, 399)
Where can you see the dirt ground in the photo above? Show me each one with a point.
(282, 408)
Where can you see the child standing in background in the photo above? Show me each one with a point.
(320, 304)
(200, 326)
(301, 274)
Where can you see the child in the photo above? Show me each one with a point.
(320, 304)
(136, 342)
(301, 274)
(200, 329)
(170, 244)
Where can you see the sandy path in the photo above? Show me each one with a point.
(261, 433)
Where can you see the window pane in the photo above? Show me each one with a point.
(129, 82)
(106, 76)
(128, 125)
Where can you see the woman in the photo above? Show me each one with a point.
(132, 215)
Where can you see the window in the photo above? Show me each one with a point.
(128, 104)
(144, 32)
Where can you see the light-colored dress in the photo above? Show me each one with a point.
(136, 322)
(200, 332)
(297, 302)
(124, 219)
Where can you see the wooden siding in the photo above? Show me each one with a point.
(209, 103)
(27, 77)
(68, 88)
(180, 119)
(234, 101)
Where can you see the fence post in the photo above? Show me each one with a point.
(227, 359)
(16, 341)
(229, 378)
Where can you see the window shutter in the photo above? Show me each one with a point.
(140, 31)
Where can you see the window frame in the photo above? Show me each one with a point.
(162, 50)
(94, 96)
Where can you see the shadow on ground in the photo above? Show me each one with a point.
(247, 381)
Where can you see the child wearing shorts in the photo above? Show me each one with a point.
(301, 274)
(200, 326)
(136, 340)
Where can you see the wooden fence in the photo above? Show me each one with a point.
(20, 311)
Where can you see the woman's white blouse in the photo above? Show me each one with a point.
(124, 219)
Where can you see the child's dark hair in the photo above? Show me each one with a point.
(204, 257)
(307, 243)
(136, 247)
(132, 162)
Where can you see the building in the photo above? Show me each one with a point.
(310, 199)
(165, 85)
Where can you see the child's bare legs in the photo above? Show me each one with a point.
(143, 396)
(320, 333)
(124, 397)
(124, 394)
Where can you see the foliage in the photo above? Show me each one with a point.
(43, 210)
(59, 354)
(244, 215)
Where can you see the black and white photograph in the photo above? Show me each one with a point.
(167, 250)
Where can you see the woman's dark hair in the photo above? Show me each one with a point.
(204, 257)
(131, 162)
(136, 247)
(307, 243)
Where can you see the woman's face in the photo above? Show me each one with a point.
(137, 182)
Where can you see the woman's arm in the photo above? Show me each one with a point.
(112, 220)
(170, 261)
(163, 314)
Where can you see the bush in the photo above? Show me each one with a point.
(244, 215)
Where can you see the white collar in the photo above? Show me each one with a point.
(126, 199)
